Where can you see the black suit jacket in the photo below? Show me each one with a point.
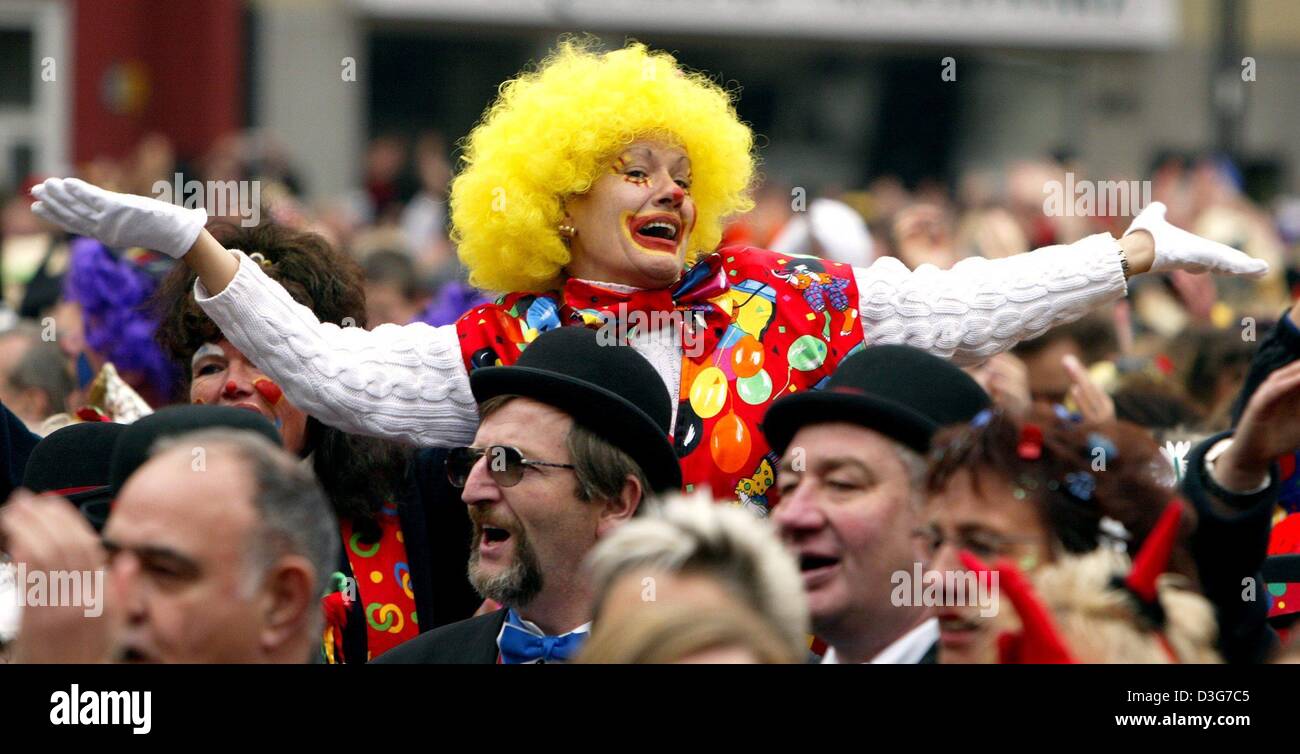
(472, 641)
(1228, 551)
(16, 443)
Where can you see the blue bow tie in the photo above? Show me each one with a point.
(518, 645)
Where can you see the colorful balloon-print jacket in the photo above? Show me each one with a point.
(752, 325)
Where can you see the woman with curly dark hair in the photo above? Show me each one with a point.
(386, 538)
(1032, 491)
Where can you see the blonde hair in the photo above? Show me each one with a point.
(697, 536)
(1100, 623)
(551, 132)
(669, 633)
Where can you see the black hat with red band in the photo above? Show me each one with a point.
(75, 462)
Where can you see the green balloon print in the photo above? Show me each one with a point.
(755, 389)
(807, 353)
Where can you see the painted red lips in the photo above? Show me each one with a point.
(658, 232)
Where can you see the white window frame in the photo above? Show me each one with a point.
(44, 124)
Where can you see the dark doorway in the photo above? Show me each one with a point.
(918, 115)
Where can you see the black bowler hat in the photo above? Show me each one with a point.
(74, 462)
(137, 440)
(901, 392)
(611, 390)
(1281, 569)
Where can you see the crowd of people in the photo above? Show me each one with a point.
(605, 393)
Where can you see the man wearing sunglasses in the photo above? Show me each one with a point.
(851, 475)
(572, 438)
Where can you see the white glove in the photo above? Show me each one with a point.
(119, 220)
(1176, 249)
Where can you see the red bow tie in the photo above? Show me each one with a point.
(688, 304)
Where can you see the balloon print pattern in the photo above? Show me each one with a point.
(786, 322)
(778, 343)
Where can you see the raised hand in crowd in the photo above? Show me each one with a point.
(51, 541)
(125, 220)
(1178, 249)
(1006, 379)
(1269, 427)
(1092, 402)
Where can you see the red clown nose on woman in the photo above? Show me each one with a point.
(594, 188)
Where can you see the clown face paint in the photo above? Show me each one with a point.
(220, 375)
(634, 224)
(270, 391)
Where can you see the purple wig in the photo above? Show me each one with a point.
(453, 299)
(114, 294)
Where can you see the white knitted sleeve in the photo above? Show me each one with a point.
(405, 383)
(981, 307)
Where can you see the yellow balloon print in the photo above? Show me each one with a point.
(709, 392)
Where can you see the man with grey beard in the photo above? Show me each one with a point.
(572, 438)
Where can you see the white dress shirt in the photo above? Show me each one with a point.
(907, 649)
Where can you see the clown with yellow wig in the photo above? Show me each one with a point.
(593, 193)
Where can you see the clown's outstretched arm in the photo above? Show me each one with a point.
(981, 307)
(404, 383)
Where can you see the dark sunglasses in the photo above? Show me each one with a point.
(505, 464)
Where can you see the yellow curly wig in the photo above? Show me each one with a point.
(553, 131)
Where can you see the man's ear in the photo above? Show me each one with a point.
(289, 602)
(622, 507)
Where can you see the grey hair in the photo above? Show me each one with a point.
(695, 535)
(42, 366)
(915, 464)
(294, 516)
(916, 467)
